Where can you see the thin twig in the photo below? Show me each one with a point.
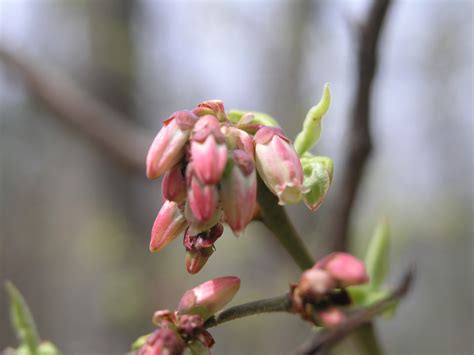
(122, 140)
(327, 338)
(359, 141)
(276, 304)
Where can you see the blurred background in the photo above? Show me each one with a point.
(75, 225)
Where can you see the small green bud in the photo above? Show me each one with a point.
(312, 125)
(318, 172)
(137, 344)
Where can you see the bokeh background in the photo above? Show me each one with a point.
(75, 225)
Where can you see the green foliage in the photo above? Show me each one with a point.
(377, 257)
(22, 320)
(312, 125)
(25, 327)
(259, 118)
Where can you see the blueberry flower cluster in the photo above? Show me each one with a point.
(209, 161)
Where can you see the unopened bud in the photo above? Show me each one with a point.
(315, 283)
(195, 261)
(169, 223)
(331, 317)
(344, 268)
(239, 139)
(163, 342)
(208, 150)
(209, 297)
(239, 192)
(202, 200)
(212, 107)
(317, 180)
(173, 186)
(278, 165)
(167, 147)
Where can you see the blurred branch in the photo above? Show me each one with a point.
(327, 338)
(111, 131)
(359, 141)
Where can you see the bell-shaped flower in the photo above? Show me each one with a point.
(167, 148)
(239, 191)
(278, 165)
(209, 297)
(202, 198)
(208, 150)
(344, 268)
(169, 223)
(173, 185)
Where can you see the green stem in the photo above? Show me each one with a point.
(276, 219)
(276, 304)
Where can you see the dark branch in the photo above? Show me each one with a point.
(325, 339)
(359, 140)
(110, 130)
(275, 304)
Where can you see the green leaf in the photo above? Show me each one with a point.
(259, 118)
(22, 320)
(359, 294)
(377, 257)
(312, 125)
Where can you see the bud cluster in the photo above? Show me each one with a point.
(321, 292)
(184, 328)
(209, 166)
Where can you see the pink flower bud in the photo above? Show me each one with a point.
(344, 268)
(211, 107)
(167, 147)
(173, 186)
(196, 226)
(239, 192)
(202, 199)
(315, 283)
(163, 342)
(239, 139)
(169, 223)
(209, 297)
(279, 165)
(208, 150)
(332, 317)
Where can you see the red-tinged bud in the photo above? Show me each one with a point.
(163, 342)
(202, 200)
(332, 317)
(200, 247)
(239, 192)
(195, 261)
(173, 186)
(208, 150)
(315, 283)
(212, 107)
(239, 139)
(196, 226)
(168, 146)
(344, 268)
(209, 297)
(169, 223)
(278, 165)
